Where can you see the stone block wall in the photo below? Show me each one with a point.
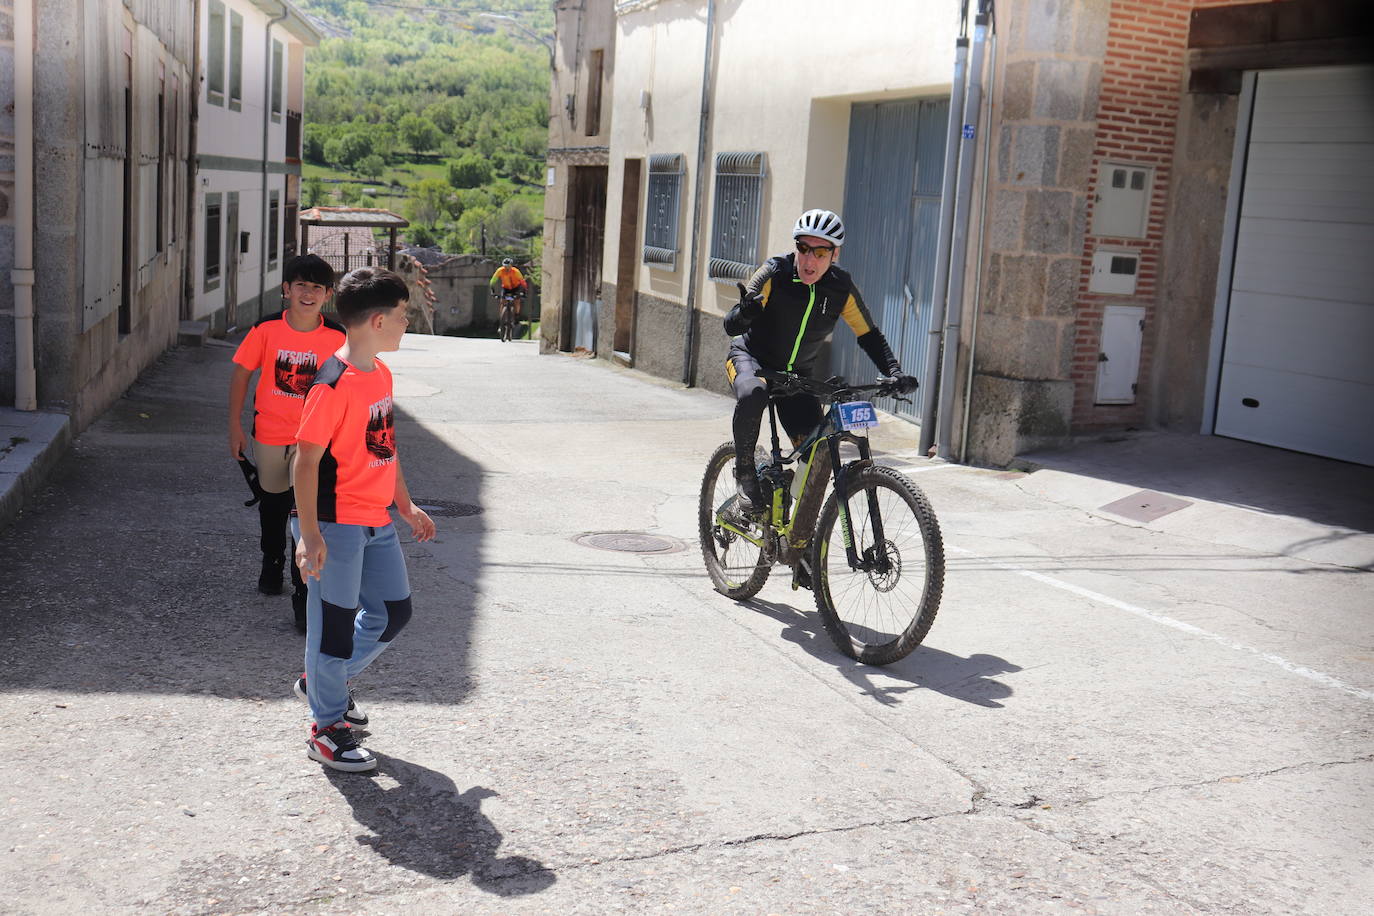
(1045, 104)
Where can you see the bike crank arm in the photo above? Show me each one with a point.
(756, 541)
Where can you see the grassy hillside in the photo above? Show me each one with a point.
(437, 106)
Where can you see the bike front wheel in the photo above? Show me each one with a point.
(880, 611)
(731, 545)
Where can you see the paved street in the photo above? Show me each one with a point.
(1166, 717)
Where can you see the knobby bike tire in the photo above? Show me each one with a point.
(850, 602)
(737, 568)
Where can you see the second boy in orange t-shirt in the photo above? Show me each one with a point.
(286, 349)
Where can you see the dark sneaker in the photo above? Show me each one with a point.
(749, 498)
(353, 715)
(269, 580)
(298, 609)
(337, 747)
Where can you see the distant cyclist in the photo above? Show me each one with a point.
(783, 318)
(511, 280)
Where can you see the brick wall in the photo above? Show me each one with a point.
(1142, 80)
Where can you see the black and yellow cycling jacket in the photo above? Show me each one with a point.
(796, 319)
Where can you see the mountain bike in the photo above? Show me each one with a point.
(507, 319)
(872, 555)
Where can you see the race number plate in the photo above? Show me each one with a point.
(857, 416)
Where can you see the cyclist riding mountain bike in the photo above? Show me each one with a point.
(511, 280)
(785, 314)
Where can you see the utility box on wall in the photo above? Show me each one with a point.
(1118, 362)
(1123, 194)
(1114, 272)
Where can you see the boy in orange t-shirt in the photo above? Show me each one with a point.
(347, 475)
(286, 349)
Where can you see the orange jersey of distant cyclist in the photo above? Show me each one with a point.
(510, 277)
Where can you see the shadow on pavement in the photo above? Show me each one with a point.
(135, 570)
(1227, 471)
(421, 822)
(967, 679)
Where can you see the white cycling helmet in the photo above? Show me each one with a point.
(506, 262)
(823, 224)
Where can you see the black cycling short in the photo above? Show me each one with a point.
(798, 413)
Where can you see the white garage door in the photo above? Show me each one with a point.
(1298, 364)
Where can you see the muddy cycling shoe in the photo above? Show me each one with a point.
(749, 495)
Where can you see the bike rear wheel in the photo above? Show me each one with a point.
(879, 613)
(737, 566)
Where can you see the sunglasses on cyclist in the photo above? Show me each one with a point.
(819, 251)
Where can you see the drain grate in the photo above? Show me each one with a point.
(446, 509)
(629, 542)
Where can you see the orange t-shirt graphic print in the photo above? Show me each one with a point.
(295, 371)
(288, 360)
(381, 431)
(350, 413)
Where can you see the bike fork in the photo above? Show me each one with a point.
(847, 533)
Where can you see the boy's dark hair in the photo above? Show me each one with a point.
(367, 290)
(309, 267)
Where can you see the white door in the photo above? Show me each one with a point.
(1297, 367)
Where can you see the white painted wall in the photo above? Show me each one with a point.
(785, 75)
(239, 134)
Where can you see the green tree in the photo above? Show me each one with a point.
(418, 132)
(430, 199)
(471, 171)
(314, 193)
(371, 166)
(420, 235)
(350, 193)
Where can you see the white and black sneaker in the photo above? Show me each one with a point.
(353, 715)
(337, 747)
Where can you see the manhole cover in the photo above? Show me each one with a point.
(1145, 506)
(445, 509)
(629, 542)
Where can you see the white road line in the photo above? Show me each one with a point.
(917, 469)
(1285, 664)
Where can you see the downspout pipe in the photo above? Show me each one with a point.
(930, 383)
(973, 102)
(689, 340)
(978, 252)
(25, 375)
(266, 127)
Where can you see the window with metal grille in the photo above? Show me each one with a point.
(212, 242)
(661, 209)
(737, 215)
(273, 233)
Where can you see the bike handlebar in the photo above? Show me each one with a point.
(835, 388)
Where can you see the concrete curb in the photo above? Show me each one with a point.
(31, 444)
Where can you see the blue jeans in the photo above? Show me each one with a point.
(359, 603)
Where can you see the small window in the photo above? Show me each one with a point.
(214, 68)
(276, 81)
(661, 209)
(737, 214)
(235, 61)
(595, 66)
(273, 233)
(212, 240)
